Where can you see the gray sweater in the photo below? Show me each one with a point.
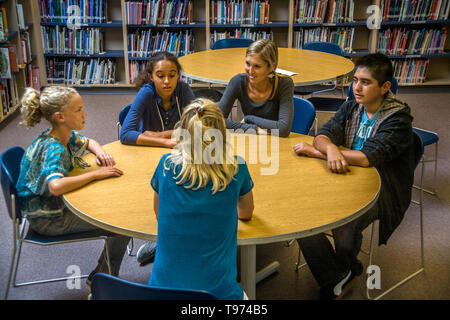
(269, 114)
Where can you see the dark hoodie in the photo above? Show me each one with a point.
(389, 149)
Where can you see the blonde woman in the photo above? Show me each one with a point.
(45, 167)
(266, 97)
(197, 203)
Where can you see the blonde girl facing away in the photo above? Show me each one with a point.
(198, 204)
(266, 97)
(46, 164)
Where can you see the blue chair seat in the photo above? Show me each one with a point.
(107, 287)
(35, 237)
(428, 137)
(326, 104)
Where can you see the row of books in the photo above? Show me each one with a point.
(75, 11)
(240, 11)
(341, 36)
(415, 10)
(143, 43)
(62, 40)
(9, 98)
(241, 33)
(157, 12)
(80, 71)
(411, 70)
(323, 11)
(402, 41)
(135, 68)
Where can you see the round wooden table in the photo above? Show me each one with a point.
(219, 66)
(294, 196)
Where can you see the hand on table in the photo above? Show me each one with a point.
(305, 149)
(336, 160)
(105, 159)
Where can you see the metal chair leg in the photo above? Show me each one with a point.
(422, 257)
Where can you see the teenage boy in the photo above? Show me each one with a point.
(377, 129)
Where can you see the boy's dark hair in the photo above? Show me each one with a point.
(142, 78)
(379, 65)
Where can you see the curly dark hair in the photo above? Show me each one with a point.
(143, 78)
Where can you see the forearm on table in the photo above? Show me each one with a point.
(161, 134)
(354, 157)
(152, 141)
(60, 186)
(95, 147)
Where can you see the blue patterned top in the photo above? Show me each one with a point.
(46, 159)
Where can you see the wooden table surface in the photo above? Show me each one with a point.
(219, 66)
(301, 199)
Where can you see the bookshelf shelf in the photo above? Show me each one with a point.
(106, 54)
(282, 22)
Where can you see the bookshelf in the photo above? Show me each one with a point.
(133, 29)
(18, 45)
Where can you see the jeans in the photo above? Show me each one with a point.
(69, 223)
(330, 265)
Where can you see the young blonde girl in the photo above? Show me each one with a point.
(43, 177)
(197, 204)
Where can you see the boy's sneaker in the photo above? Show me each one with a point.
(338, 291)
(146, 253)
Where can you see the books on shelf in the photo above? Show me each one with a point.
(143, 43)
(86, 11)
(159, 12)
(9, 99)
(5, 68)
(323, 11)
(241, 33)
(410, 71)
(80, 71)
(12, 49)
(3, 24)
(403, 41)
(240, 11)
(414, 10)
(25, 45)
(20, 19)
(62, 40)
(341, 36)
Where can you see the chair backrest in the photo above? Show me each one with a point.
(232, 43)
(304, 115)
(10, 169)
(107, 287)
(327, 47)
(394, 88)
(418, 148)
(123, 113)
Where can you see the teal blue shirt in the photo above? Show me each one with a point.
(197, 234)
(364, 130)
(46, 159)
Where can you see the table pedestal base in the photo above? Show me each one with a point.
(249, 276)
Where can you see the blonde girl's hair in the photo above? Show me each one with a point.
(36, 105)
(205, 114)
(268, 52)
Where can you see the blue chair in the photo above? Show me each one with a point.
(304, 116)
(326, 104)
(107, 287)
(232, 43)
(429, 138)
(122, 115)
(418, 154)
(327, 47)
(10, 169)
